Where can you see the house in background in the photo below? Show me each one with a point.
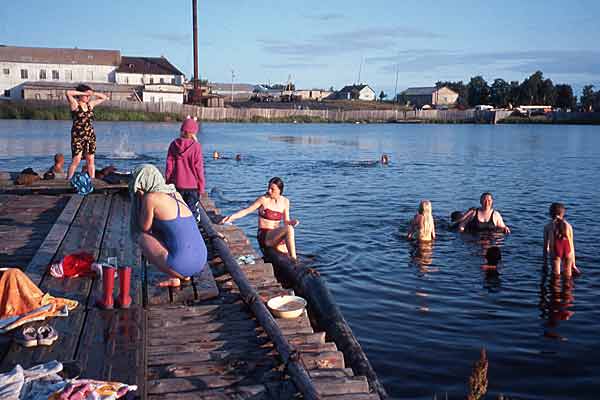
(355, 92)
(148, 71)
(44, 90)
(19, 65)
(311, 94)
(434, 96)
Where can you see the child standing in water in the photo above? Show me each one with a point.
(558, 241)
(422, 227)
(185, 164)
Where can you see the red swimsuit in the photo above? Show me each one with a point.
(271, 215)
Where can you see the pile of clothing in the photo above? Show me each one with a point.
(21, 301)
(44, 382)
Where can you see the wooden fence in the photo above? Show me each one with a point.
(328, 115)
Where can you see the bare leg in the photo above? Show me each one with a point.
(91, 167)
(157, 254)
(278, 234)
(568, 262)
(556, 266)
(74, 164)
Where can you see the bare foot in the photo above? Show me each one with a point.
(173, 282)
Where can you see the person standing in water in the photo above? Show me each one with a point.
(82, 101)
(483, 219)
(422, 227)
(559, 244)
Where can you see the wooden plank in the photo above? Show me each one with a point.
(112, 345)
(206, 310)
(85, 232)
(353, 396)
(184, 358)
(327, 385)
(254, 392)
(197, 383)
(239, 369)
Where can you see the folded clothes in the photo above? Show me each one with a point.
(21, 301)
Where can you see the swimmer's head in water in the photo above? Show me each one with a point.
(493, 255)
(385, 159)
(275, 182)
(485, 197)
(425, 207)
(455, 216)
(238, 157)
(557, 210)
(216, 155)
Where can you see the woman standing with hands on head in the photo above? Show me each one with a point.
(83, 138)
(272, 208)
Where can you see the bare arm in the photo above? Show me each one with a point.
(500, 222)
(546, 243)
(72, 100)
(571, 241)
(432, 229)
(98, 98)
(466, 218)
(286, 215)
(242, 213)
(146, 214)
(414, 223)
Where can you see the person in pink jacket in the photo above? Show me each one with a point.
(185, 165)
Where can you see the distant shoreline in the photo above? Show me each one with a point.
(40, 111)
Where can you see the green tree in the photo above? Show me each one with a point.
(531, 89)
(514, 94)
(500, 93)
(478, 91)
(382, 96)
(547, 94)
(564, 97)
(460, 88)
(587, 97)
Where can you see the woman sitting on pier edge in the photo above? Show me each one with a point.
(164, 227)
(272, 208)
(483, 219)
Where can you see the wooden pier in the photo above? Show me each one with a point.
(206, 340)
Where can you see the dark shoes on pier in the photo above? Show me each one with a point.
(108, 284)
(45, 335)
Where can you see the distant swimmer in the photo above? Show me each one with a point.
(483, 219)
(385, 159)
(216, 155)
(238, 157)
(493, 256)
(422, 227)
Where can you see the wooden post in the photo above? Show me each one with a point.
(289, 356)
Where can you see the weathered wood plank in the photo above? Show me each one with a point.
(327, 385)
(254, 392)
(112, 345)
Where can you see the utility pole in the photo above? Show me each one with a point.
(197, 90)
(232, 76)
(396, 86)
(360, 69)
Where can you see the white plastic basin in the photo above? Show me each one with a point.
(286, 306)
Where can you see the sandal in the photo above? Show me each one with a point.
(27, 337)
(46, 335)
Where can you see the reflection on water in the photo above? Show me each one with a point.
(556, 302)
(419, 311)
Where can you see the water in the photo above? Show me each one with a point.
(421, 314)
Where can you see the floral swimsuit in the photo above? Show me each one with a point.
(83, 138)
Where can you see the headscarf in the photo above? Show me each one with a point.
(149, 179)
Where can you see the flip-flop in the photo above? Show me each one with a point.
(46, 335)
(27, 337)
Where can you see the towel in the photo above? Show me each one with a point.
(149, 179)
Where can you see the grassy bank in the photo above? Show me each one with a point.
(21, 111)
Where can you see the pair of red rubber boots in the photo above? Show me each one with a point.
(108, 284)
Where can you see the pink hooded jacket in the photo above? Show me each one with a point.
(185, 165)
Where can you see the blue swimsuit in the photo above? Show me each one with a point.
(182, 238)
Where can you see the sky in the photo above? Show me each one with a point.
(332, 43)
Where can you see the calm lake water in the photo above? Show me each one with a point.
(421, 314)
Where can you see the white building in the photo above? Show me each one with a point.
(162, 94)
(312, 94)
(19, 65)
(356, 92)
(148, 71)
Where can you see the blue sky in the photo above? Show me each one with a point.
(323, 43)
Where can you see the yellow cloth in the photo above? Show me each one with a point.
(19, 296)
